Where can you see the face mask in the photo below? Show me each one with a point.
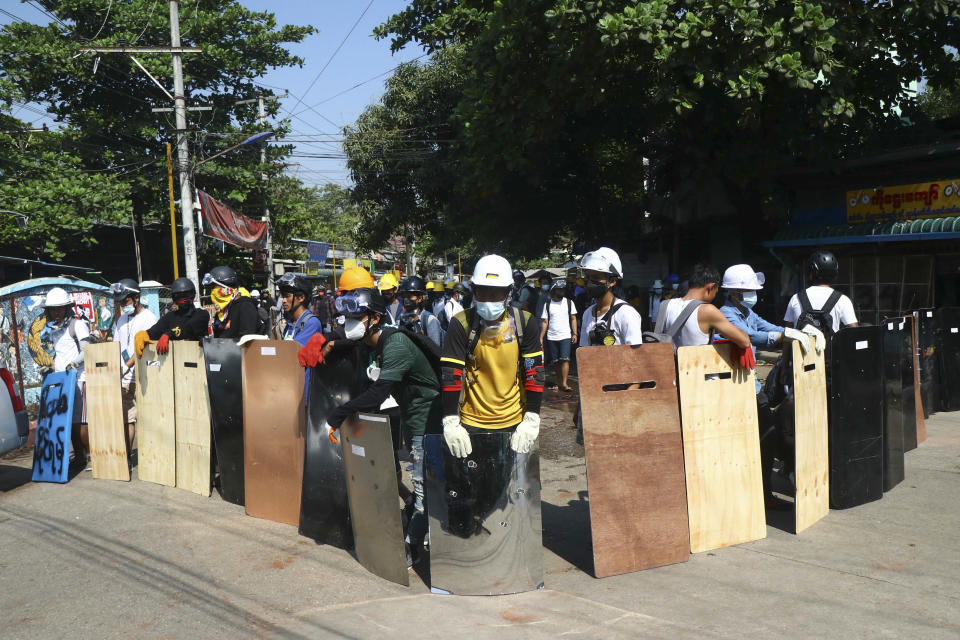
(490, 311)
(749, 299)
(545, 287)
(409, 304)
(597, 289)
(129, 309)
(389, 297)
(221, 297)
(53, 326)
(354, 329)
(675, 286)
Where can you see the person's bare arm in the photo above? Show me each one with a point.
(710, 316)
(852, 325)
(543, 330)
(573, 323)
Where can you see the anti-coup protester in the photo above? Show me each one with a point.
(559, 326)
(134, 318)
(237, 314)
(186, 322)
(609, 320)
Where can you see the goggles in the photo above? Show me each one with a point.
(118, 289)
(350, 304)
(761, 279)
(209, 281)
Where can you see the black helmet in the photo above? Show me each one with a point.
(360, 302)
(823, 267)
(413, 284)
(126, 287)
(518, 277)
(182, 288)
(295, 282)
(221, 276)
(459, 288)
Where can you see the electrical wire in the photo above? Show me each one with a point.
(105, 18)
(147, 25)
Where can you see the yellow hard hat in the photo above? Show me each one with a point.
(355, 278)
(388, 281)
(430, 285)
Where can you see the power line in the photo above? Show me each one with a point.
(105, 18)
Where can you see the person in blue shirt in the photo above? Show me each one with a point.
(295, 293)
(741, 283)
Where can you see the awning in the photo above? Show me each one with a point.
(922, 230)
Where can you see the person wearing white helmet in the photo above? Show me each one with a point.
(609, 320)
(134, 318)
(69, 335)
(492, 365)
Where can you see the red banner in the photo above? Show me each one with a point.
(220, 222)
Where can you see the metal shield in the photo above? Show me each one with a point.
(948, 358)
(908, 398)
(926, 353)
(856, 417)
(324, 507)
(224, 380)
(634, 452)
(273, 417)
(374, 502)
(893, 329)
(484, 513)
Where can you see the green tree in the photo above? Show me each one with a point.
(938, 103)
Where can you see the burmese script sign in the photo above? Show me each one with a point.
(923, 200)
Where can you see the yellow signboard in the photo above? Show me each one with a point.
(923, 200)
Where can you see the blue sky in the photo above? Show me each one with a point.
(359, 61)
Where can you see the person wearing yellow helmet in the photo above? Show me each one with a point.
(388, 286)
(355, 278)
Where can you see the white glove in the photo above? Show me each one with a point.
(817, 335)
(526, 434)
(800, 337)
(456, 437)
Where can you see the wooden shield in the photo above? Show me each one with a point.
(192, 417)
(156, 422)
(812, 469)
(106, 423)
(634, 451)
(721, 448)
(273, 430)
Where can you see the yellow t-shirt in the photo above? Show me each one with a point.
(494, 397)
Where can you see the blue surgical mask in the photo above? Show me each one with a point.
(545, 287)
(749, 299)
(129, 309)
(490, 311)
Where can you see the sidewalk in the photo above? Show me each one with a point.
(102, 559)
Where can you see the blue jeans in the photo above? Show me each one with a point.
(417, 527)
(558, 350)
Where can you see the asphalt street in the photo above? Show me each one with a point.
(103, 559)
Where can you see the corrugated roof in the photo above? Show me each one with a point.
(924, 229)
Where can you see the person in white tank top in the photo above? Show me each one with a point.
(707, 319)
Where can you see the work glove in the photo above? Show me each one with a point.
(141, 340)
(799, 336)
(311, 354)
(456, 437)
(526, 434)
(817, 335)
(163, 344)
(740, 355)
(331, 432)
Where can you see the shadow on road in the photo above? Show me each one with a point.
(566, 531)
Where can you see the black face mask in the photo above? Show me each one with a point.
(389, 297)
(597, 289)
(183, 306)
(557, 296)
(409, 304)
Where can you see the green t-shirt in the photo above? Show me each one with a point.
(417, 389)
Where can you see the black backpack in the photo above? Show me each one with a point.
(819, 318)
(427, 346)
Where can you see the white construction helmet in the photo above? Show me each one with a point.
(604, 260)
(254, 293)
(492, 271)
(742, 277)
(57, 297)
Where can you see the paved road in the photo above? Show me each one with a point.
(101, 559)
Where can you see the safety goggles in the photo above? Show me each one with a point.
(286, 280)
(209, 281)
(119, 289)
(350, 304)
(761, 279)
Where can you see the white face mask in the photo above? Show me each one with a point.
(129, 309)
(354, 329)
(749, 299)
(675, 286)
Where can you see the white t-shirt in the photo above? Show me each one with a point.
(67, 349)
(452, 308)
(127, 329)
(842, 312)
(559, 314)
(690, 334)
(626, 325)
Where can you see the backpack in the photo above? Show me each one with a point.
(819, 318)
(601, 331)
(430, 350)
(471, 324)
(661, 333)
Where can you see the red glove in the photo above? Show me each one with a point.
(163, 343)
(739, 354)
(311, 354)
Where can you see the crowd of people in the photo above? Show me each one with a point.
(462, 358)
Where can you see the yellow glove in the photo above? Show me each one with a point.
(141, 340)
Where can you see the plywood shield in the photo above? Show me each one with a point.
(812, 470)
(374, 502)
(324, 507)
(893, 439)
(224, 373)
(948, 357)
(156, 419)
(106, 423)
(721, 448)
(51, 449)
(919, 411)
(273, 430)
(484, 513)
(856, 416)
(193, 417)
(634, 451)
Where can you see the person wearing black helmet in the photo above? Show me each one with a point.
(134, 318)
(415, 316)
(186, 322)
(820, 305)
(295, 289)
(524, 296)
(453, 305)
(236, 313)
(404, 370)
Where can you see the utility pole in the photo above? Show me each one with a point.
(261, 118)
